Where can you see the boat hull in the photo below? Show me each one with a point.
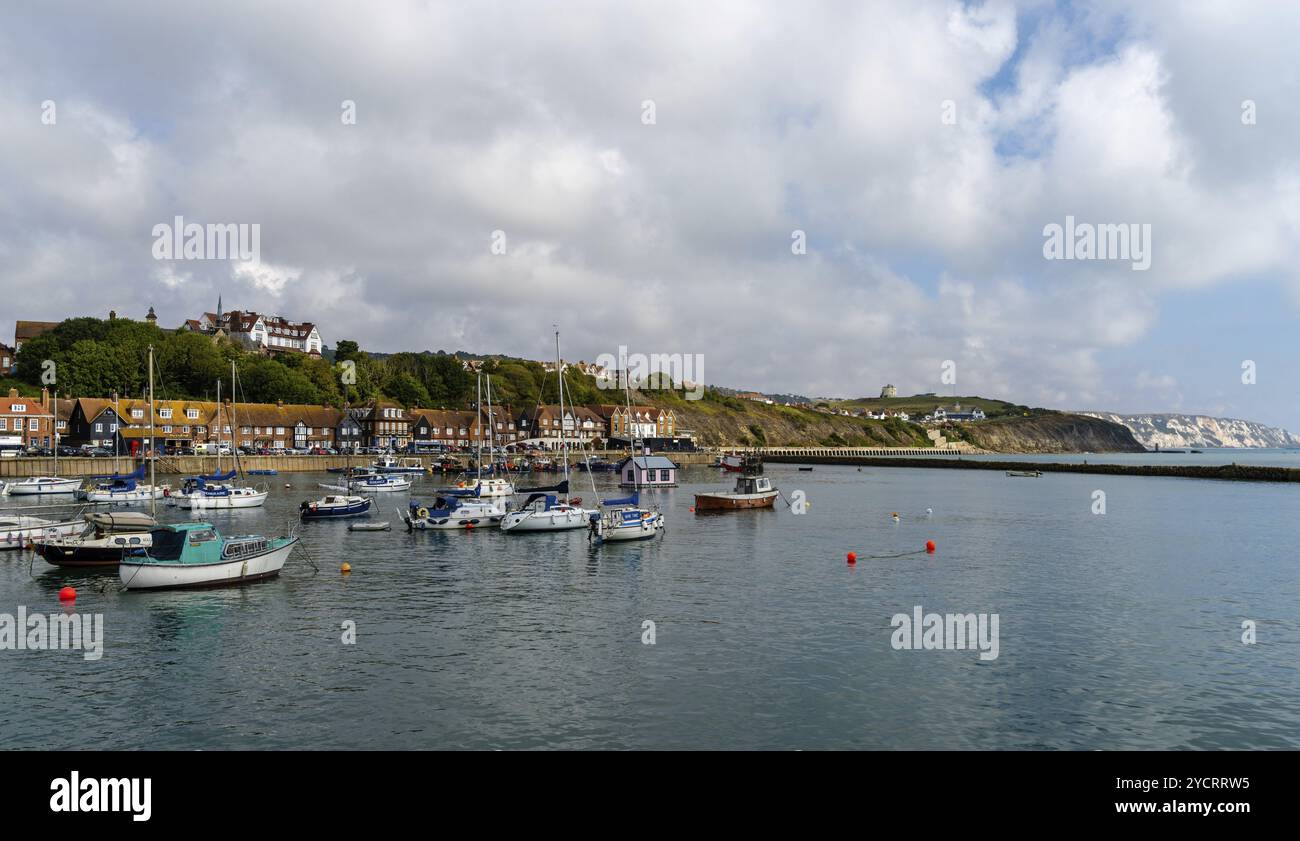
(96, 552)
(16, 537)
(42, 486)
(608, 530)
(123, 497)
(734, 502)
(201, 502)
(154, 575)
(553, 520)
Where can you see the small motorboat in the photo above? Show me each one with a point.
(1025, 474)
(389, 464)
(805, 469)
(331, 507)
(372, 526)
(266, 472)
(750, 492)
(197, 555)
(106, 537)
(372, 483)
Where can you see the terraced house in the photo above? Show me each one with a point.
(644, 422)
(26, 422)
(383, 423)
(543, 425)
(291, 425)
(450, 428)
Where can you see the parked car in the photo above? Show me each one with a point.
(98, 452)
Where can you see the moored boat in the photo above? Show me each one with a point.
(625, 519)
(750, 492)
(452, 513)
(197, 555)
(390, 464)
(106, 537)
(379, 483)
(17, 530)
(43, 485)
(330, 507)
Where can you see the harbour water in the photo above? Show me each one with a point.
(1117, 630)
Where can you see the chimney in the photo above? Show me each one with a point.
(45, 398)
(13, 394)
(279, 404)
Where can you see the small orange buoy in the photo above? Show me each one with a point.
(853, 557)
(692, 509)
(67, 594)
(930, 547)
(346, 568)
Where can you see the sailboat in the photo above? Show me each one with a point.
(196, 554)
(124, 488)
(46, 485)
(482, 505)
(544, 511)
(625, 518)
(218, 490)
(484, 488)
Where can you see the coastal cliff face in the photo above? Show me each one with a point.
(1052, 433)
(1199, 431)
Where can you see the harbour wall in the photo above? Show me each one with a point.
(1225, 472)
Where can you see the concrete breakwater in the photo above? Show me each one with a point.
(196, 465)
(1226, 472)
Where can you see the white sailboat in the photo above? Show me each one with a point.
(218, 491)
(626, 519)
(46, 485)
(463, 508)
(544, 511)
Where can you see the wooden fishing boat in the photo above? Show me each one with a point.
(750, 492)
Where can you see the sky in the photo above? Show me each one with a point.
(463, 176)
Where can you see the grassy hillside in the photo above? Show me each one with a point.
(920, 405)
(720, 420)
(1057, 432)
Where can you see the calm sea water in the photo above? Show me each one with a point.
(1120, 630)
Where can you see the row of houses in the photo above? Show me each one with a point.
(123, 424)
(253, 331)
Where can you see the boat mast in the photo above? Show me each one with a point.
(478, 410)
(492, 428)
(55, 436)
(564, 445)
(218, 470)
(234, 451)
(153, 499)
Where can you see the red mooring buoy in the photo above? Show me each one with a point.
(853, 557)
(930, 547)
(67, 594)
